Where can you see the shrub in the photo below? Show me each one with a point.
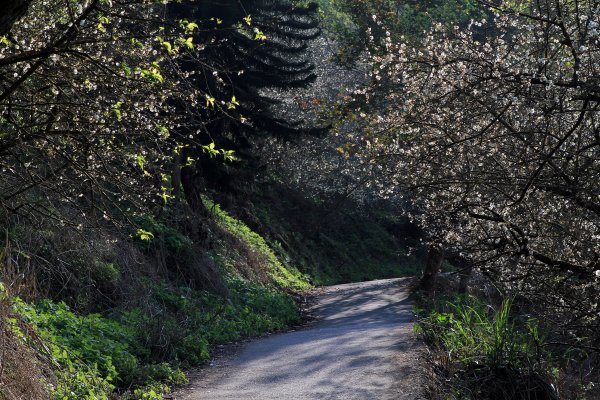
(150, 232)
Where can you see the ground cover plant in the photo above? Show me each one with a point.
(96, 355)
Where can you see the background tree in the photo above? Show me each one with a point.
(253, 52)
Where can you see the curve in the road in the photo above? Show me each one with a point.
(362, 348)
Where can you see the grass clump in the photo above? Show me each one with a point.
(472, 332)
(482, 352)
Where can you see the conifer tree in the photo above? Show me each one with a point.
(248, 48)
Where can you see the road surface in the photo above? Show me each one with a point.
(361, 347)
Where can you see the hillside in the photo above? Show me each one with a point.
(129, 314)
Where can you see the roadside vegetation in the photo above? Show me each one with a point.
(488, 346)
(163, 325)
(169, 304)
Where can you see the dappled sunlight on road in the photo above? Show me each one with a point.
(361, 348)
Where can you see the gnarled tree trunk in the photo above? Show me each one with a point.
(433, 264)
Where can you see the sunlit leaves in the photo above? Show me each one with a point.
(212, 151)
(141, 161)
(163, 131)
(127, 71)
(106, 109)
(167, 46)
(210, 101)
(188, 26)
(152, 73)
(116, 110)
(144, 235)
(259, 35)
(187, 43)
(102, 20)
(165, 194)
(189, 161)
(233, 103)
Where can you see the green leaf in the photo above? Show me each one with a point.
(167, 46)
(116, 110)
(233, 103)
(191, 26)
(141, 161)
(145, 235)
(164, 131)
(259, 35)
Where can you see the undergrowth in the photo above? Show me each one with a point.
(278, 269)
(96, 355)
(330, 243)
(483, 352)
(172, 318)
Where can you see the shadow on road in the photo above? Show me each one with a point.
(361, 348)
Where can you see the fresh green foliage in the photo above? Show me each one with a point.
(89, 351)
(139, 349)
(284, 276)
(189, 321)
(95, 355)
(483, 352)
(472, 332)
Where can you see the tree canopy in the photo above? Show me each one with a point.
(491, 133)
(102, 102)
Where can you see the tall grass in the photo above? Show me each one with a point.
(472, 332)
(484, 352)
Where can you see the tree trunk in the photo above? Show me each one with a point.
(10, 12)
(433, 264)
(464, 268)
(464, 275)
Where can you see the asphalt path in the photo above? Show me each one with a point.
(361, 347)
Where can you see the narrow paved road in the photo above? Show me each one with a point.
(362, 348)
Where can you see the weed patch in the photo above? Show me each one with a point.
(482, 352)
